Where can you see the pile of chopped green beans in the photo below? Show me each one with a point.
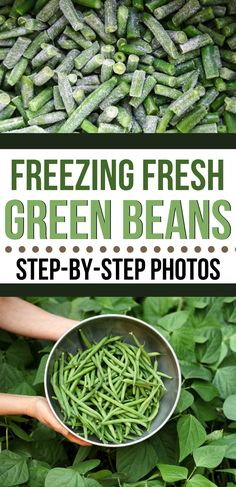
(111, 389)
(118, 66)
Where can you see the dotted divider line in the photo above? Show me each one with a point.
(116, 249)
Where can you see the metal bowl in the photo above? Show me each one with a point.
(98, 327)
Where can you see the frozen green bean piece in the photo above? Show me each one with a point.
(47, 52)
(70, 13)
(148, 86)
(97, 25)
(97, 4)
(4, 51)
(109, 114)
(187, 100)
(43, 76)
(57, 99)
(205, 128)
(84, 57)
(160, 34)
(137, 84)
(191, 120)
(150, 105)
(28, 130)
(77, 37)
(4, 100)
(119, 57)
(117, 94)
(49, 9)
(110, 16)
(230, 104)
(17, 32)
(89, 127)
(167, 9)
(48, 118)
(132, 63)
(107, 69)
(46, 108)
(39, 101)
(135, 48)
(122, 19)
(35, 45)
(231, 41)
(217, 38)
(92, 102)
(164, 67)
(150, 124)
(16, 52)
(227, 74)
(108, 51)
(203, 16)
(232, 7)
(164, 121)
(168, 92)
(119, 68)
(227, 55)
(17, 72)
(165, 79)
(7, 112)
(11, 124)
(93, 64)
(196, 43)
(124, 117)
(230, 121)
(209, 62)
(209, 97)
(79, 95)
(109, 128)
(179, 37)
(27, 90)
(229, 30)
(133, 25)
(185, 12)
(68, 63)
(57, 28)
(66, 93)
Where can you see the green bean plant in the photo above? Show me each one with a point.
(196, 448)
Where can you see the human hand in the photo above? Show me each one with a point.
(40, 410)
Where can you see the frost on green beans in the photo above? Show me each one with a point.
(157, 62)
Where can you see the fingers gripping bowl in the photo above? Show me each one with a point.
(121, 331)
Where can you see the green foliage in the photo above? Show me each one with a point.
(196, 448)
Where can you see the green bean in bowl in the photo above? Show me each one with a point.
(112, 380)
(111, 389)
(118, 66)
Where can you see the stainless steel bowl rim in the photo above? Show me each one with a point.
(112, 315)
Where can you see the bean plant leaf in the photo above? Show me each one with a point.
(13, 469)
(172, 473)
(142, 457)
(199, 481)
(229, 441)
(191, 435)
(86, 466)
(205, 390)
(229, 407)
(185, 401)
(39, 378)
(195, 371)
(62, 477)
(225, 381)
(232, 342)
(173, 321)
(37, 473)
(209, 456)
(154, 308)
